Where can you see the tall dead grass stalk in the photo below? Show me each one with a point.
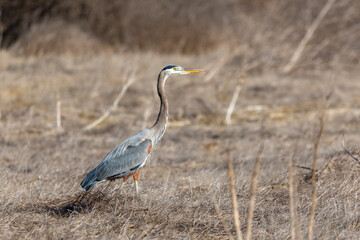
(130, 80)
(232, 104)
(313, 174)
(223, 222)
(253, 192)
(58, 113)
(220, 63)
(233, 196)
(309, 33)
(295, 230)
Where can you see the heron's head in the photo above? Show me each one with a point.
(171, 70)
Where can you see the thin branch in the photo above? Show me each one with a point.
(232, 105)
(58, 113)
(131, 80)
(233, 197)
(253, 192)
(295, 229)
(313, 178)
(306, 168)
(309, 33)
(218, 64)
(292, 199)
(216, 68)
(222, 220)
(348, 152)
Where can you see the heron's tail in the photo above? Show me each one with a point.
(89, 181)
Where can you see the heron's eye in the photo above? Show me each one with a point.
(174, 68)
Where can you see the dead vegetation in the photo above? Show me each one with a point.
(257, 35)
(45, 166)
(58, 38)
(52, 88)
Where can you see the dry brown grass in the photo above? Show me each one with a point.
(41, 168)
(47, 97)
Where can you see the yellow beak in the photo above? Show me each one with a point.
(193, 70)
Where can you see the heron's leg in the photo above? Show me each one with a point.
(125, 178)
(136, 177)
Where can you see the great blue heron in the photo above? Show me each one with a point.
(130, 156)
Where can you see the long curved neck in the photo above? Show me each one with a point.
(160, 125)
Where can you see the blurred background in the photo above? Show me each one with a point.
(265, 32)
(79, 77)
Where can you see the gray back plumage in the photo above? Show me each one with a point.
(118, 164)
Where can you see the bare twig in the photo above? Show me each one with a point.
(306, 168)
(313, 177)
(233, 196)
(131, 80)
(232, 104)
(295, 229)
(309, 33)
(58, 113)
(223, 222)
(217, 65)
(215, 68)
(292, 199)
(253, 193)
(348, 152)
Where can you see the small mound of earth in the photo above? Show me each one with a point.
(57, 37)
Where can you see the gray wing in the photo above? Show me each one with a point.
(123, 160)
(121, 165)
